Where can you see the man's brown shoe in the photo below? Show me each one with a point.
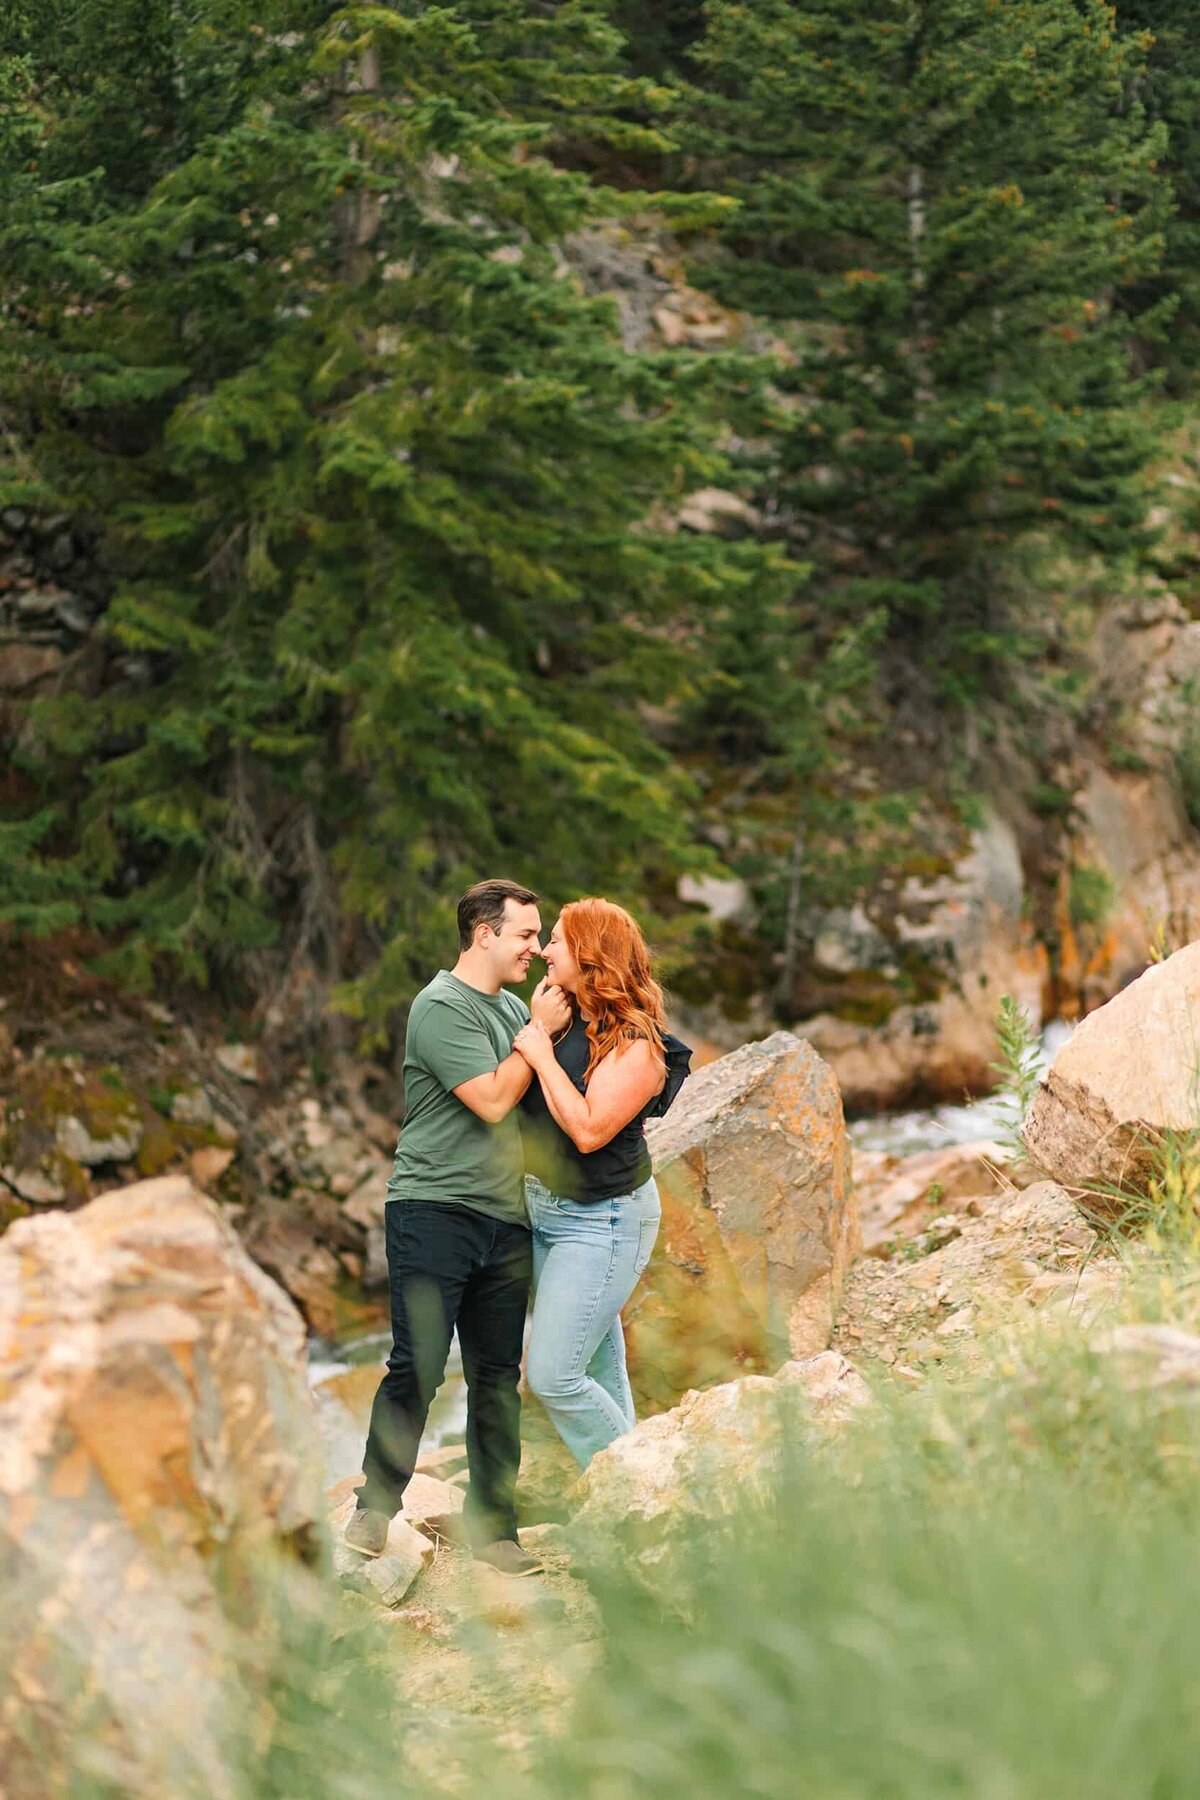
(507, 1556)
(368, 1532)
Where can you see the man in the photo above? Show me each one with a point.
(458, 1243)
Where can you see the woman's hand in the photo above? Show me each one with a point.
(550, 1007)
(533, 1043)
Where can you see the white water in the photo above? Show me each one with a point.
(343, 1429)
(936, 1127)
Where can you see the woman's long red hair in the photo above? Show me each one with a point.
(617, 994)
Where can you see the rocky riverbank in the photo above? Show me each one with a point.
(160, 1447)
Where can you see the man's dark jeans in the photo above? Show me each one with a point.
(448, 1267)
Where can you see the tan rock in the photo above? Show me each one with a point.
(643, 1497)
(1151, 1356)
(366, 1202)
(424, 1498)
(831, 1385)
(282, 1237)
(983, 1268)
(155, 1430)
(897, 1196)
(1127, 1077)
(209, 1163)
(240, 1060)
(83, 1146)
(753, 1166)
(25, 665)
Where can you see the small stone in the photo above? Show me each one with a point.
(240, 1060)
(193, 1107)
(72, 613)
(959, 1324)
(387, 1578)
(76, 1141)
(61, 553)
(34, 1186)
(209, 1163)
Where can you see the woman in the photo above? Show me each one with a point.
(593, 1204)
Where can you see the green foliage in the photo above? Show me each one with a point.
(371, 473)
(940, 207)
(385, 502)
(888, 1614)
(39, 893)
(793, 709)
(1170, 92)
(1091, 898)
(1187, 755)
(1019, 1065)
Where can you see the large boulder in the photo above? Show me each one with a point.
(642, 1498)
(157, 1446)
(1127, 1079)
(759, 1223)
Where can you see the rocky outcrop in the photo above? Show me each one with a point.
(643, 1497)
(1124, 1082)
(303, 1178)
(1027, 1251)
(899, 1196)
(157, 1451)
(753, 1165)
(968, 928)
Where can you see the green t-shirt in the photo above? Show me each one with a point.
(446, 1152)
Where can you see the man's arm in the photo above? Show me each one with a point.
(492, 1097)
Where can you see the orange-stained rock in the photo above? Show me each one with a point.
(1126, 1080)
(753, 1166)
(157, 1443)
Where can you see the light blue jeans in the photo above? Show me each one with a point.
(587, 1257)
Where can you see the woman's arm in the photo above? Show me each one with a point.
(622, 1083)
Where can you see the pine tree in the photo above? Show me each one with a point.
(942, 205)
(372, 475)
(1169, 90)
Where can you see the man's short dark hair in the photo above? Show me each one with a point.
(483, 904)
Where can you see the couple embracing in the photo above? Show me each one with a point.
(522, 1163)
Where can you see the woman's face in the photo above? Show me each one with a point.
(561, 967)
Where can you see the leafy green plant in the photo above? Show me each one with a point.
(1091, 898)
(1018, 1066)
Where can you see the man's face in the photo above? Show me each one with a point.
(511, 949)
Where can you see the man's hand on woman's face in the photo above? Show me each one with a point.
(550, 1006)
(533, 1043)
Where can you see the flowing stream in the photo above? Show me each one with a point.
(344, 1376)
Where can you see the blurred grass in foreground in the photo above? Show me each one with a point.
(987, 1588)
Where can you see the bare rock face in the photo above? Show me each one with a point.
(155, 1428)
(1126, 1078)
(759, 1222)
(969, 925)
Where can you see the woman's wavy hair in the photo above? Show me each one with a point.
(617, 993)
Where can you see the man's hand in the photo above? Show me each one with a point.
(533, 1043)
(550, 1006)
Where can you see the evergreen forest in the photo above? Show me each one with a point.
(599, 443)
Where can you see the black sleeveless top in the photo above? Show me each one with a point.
(616, 1167)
